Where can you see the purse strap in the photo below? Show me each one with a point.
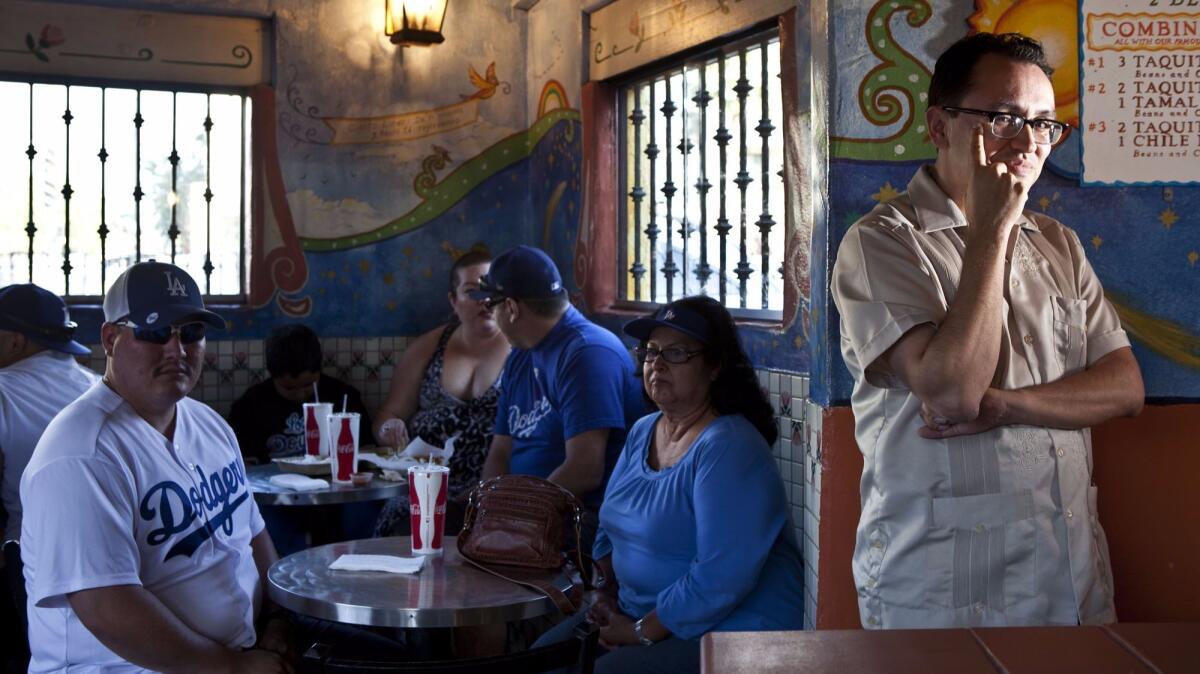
(535, 579)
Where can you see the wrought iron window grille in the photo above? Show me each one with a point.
(701, 153)
(95, 178)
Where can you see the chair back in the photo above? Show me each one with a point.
(578, 651)
(14, 572)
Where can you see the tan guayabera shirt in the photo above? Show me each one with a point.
(997, 528)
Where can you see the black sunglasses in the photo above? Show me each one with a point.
(493, 302)
(189, 333)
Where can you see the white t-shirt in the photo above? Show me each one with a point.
(32, 391)
(110, 501)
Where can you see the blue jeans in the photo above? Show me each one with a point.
(669, 656)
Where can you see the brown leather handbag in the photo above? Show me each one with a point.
(523, 528)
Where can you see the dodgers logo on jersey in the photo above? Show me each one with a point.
(523, 424)
(213, 499)
(291, 441)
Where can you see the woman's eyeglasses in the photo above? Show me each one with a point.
(189, 333)
(493, 302)
(1009, 125)
(672, 354)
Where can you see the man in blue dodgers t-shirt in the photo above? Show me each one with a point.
(568, 392)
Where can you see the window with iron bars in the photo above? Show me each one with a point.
(95, 178)
(702, 175)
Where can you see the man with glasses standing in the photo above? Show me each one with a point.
(982, 350)
(143, 547)
(568, 392)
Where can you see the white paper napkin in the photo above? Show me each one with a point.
(298, 482)
(423, 451)
(387, 563)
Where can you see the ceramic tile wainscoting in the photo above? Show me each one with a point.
(368, 363)
(797, 451)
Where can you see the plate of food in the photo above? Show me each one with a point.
(396, 463)
(393, 476)
(304, 465)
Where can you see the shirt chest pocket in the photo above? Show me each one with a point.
(1070, 335)
(988, 556)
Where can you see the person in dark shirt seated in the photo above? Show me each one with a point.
(269, 423)
(269, 417)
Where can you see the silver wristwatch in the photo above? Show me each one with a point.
(642, 638)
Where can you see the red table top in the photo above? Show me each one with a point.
(1122, 648)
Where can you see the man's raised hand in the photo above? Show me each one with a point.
(995, 197)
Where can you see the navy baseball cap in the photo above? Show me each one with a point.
(674, 316)
(150, 294)
(41, 316)
(522, 273)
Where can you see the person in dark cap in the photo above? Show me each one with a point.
(38, 378)
(143, 547)
(694, 532)
(568, 392)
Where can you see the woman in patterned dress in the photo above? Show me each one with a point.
(445, 385)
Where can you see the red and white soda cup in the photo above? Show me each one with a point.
(343, 459)
(316, 429)
(427, 488)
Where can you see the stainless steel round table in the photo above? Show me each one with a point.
(266, 493)
(447, 592)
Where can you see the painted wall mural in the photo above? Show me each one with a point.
(627, 34)
(133, 44)
(278, 269)
(376, 166)
(891, 95)
(348, 163)
(373, 281)
(1144, 242)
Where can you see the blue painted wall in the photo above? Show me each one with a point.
(1144, 242)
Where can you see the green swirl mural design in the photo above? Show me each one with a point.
(441, 197)
(894, 88)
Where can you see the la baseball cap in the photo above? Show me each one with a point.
(150, 294)
(522, 273)
(41, 316)
(675, 316)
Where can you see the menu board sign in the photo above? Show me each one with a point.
(1140, 87)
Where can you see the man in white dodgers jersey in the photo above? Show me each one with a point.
(143, 547)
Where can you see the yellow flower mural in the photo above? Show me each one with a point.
(1053, 22)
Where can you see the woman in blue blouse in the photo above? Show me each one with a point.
(695, 534)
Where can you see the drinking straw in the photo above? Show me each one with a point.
(345, 399)
(316, 398)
